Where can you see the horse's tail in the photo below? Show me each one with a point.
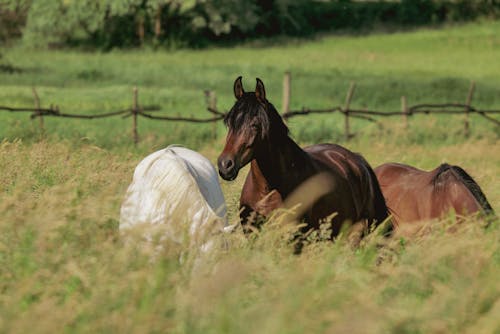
(469, 183)
(380, 207)
(381, 210)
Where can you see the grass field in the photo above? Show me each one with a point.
(63, 266)
(426, 66)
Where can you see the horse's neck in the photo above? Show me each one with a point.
(259, 180)
(284, 165)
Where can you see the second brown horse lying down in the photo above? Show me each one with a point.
(258, 135)
(414, 195)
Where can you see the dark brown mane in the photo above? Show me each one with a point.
(247, 108)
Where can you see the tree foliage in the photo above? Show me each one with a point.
(125, 23)
(63, 21)
(12, 18)
(221, 16)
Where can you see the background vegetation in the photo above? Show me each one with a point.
(174, 23)
(64, 267)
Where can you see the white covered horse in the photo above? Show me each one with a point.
(175, 192)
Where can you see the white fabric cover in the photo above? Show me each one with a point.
(175, 189)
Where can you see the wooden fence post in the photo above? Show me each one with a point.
(135, 109)
(467, 109)
(140, 28)
(348, 99)
(213, 105)
(159, 10)
(38, 113)
(286, 93)
(404, 110)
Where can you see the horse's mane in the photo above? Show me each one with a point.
(461, 175)
(247, 108)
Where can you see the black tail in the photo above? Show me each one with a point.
(469, 182)
(381, 210)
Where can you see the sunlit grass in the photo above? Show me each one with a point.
(64, 267)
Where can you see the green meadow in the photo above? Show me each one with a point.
(65, 268)
(425, 65)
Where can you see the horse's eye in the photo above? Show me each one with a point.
(255, 127)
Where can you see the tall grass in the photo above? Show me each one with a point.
(64, 267)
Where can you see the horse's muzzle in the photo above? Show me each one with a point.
(228, 168)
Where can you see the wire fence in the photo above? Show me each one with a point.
(138, 110)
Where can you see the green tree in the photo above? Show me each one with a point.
(57, 21)
(109, 22)
(12, 18)
(221, 16)
(98, 21)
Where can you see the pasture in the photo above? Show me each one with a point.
(63, 266)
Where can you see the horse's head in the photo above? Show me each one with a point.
(250, 123)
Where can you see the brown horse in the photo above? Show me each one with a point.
(415, 195)
(258, 135)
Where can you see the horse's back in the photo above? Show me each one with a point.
(414, 195)
(403, 186)
(358, 179)
(344, 162)
(339, 158)
(390, 172)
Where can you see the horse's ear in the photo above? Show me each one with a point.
(238, 88)
(260, 91)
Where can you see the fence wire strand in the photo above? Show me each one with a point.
(365, 114)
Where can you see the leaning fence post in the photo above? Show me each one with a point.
(348, 99)
(135, 109)
(213, 105)
(286, 93)
(37, 112)
(404, 110)
(467, 108)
